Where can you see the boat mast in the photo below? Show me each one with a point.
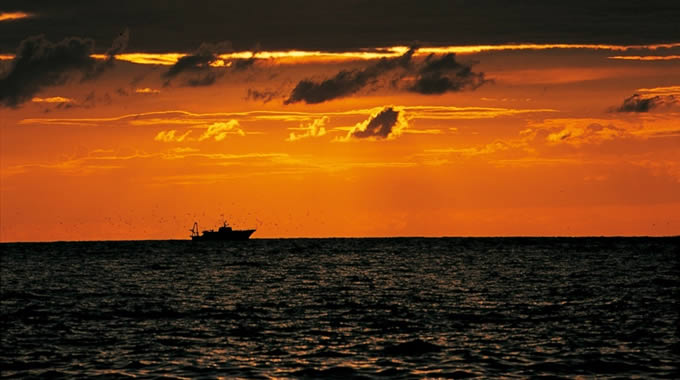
(194, 229)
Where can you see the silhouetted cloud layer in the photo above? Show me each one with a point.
(435, 75)
(640, 103)
(346, 82)
(319, 25)
(40, 63)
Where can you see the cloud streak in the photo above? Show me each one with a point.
(11, 16)
(53, 99)
(181, 117)
(646, 57)
(640, 103)
(171, 136)
(590, 134)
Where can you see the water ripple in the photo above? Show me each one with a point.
(342, 308)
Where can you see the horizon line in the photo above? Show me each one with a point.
(366, 237)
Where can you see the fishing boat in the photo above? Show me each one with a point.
(224, 233)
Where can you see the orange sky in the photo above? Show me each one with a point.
(544, 148)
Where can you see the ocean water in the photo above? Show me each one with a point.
(343, 308)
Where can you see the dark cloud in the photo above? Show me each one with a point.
(639, 103)
(206, 79)
(244, 64)
(199, 60)
(90, 100)
(118, 46)
(264, 96)
(39, 63)
(438, 75)
(346, 82)
(380, 125)
(199, 63)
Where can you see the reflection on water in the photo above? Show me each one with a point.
(342, 308)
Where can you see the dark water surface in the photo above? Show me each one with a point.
(372, 308)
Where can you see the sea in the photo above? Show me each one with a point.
(402, 308)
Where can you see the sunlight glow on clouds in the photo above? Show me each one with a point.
(171, 136)
(147, 90)
(219, 131)
(54, 99)
(313, 129)
(668, 90)
(315, 56)
(9, 16)
(646, 57)
(184, 117)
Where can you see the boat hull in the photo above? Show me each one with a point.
(233, 235)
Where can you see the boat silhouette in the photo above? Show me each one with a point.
(224, 233)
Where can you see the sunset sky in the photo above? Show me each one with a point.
(133, 119)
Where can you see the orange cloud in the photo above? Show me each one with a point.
(219, 131)
(505, 47)
(589, 134)
(313, 129)
(669, 90)
(171, 136)
(646, 57)
(147, 90)
(471, 151)
(9, 16)
(164, 59)
(54, 99)
(455, 113)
